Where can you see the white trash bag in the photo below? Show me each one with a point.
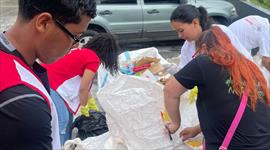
(140, 53)
(103, 141)
(133, 108)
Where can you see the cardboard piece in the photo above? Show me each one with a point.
(146, 60)
(155, 68)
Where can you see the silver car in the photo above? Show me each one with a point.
(149, 20)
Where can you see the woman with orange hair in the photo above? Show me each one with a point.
(225, 78)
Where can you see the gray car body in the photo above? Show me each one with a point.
(151, 22)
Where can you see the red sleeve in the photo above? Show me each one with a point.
(92, 60)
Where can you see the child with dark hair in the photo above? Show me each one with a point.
(71, 78)
(106, 49)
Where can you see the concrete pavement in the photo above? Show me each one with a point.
(8, 12)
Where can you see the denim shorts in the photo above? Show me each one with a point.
(65, 117)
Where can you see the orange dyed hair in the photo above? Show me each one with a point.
(244, 73)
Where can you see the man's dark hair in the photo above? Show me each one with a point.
(66, 11)
(107, 49)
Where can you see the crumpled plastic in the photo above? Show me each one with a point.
(93, 125)
(132, 107)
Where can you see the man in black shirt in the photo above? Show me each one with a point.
(44, 30)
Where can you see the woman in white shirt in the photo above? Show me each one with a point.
(189, 22)
(249, 32)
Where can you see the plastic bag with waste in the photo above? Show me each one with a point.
(93, 125)
(132, 107)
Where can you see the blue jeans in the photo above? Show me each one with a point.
(65, 117)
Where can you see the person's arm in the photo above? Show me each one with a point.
(188, 77)
(266, 62)
(264, 44)
(85, 84)
(190, 132)
(172, 91)
(264, 41)
(187, 50)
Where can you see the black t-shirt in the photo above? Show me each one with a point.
(25, 122)
(217, 106)
(24, 115)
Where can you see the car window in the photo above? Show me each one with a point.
(118, 1)
(161, 1)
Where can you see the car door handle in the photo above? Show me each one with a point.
(105, 12)
(153, 11)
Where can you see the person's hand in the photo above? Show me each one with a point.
(172, 127)
(189, 132)
(85, 111)
(92, 105)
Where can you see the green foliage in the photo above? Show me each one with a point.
(262, 3)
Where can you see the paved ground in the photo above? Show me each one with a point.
(167, 49)
(8, 11)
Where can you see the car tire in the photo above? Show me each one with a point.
(221, 20)
(87, 35)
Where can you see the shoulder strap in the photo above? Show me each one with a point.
(235, 122)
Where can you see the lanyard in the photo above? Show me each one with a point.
(5, 42)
